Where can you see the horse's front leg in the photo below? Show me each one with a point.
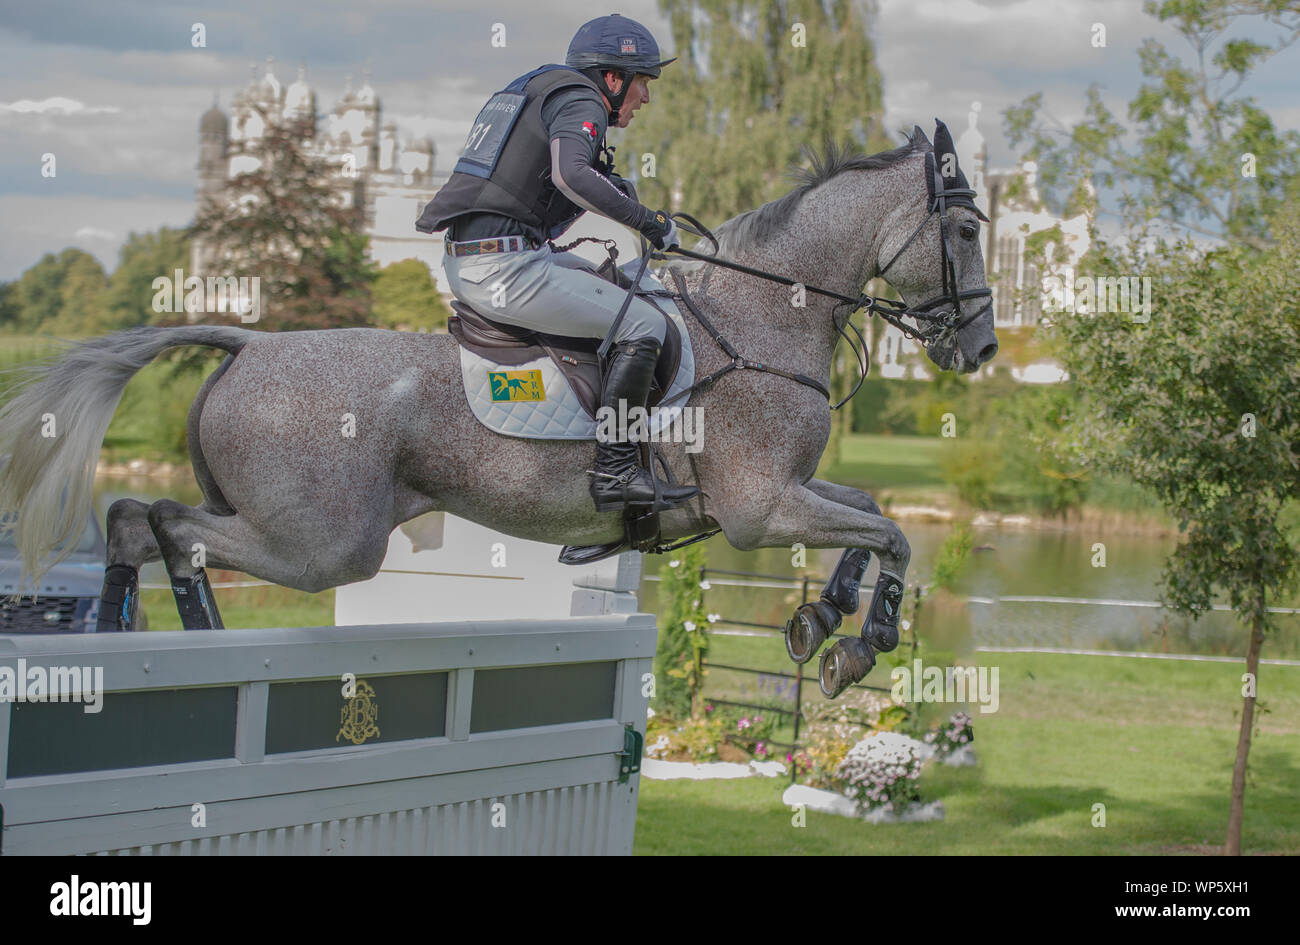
(880, 628)
(813, 515)
(815, 622)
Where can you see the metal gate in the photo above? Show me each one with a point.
(508, 736)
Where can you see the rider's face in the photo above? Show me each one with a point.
(637, 95)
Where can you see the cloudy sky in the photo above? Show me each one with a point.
(114, 89)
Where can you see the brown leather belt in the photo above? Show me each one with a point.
(502, 244)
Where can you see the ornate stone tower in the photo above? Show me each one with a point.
(214, 168)
(383, 176)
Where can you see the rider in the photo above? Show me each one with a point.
(534, 161)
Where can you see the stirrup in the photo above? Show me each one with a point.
(590, 554)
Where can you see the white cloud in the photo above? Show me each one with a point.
(92, 233)
(55, 106)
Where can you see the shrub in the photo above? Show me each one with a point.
(946, 739)
(880, 772)
(973, 466)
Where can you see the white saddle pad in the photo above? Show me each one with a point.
(559, 415)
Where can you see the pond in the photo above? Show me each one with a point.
(1021, 562)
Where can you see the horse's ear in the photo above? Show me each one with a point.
(919, 141)
(942, 137)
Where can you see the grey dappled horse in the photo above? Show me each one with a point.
(292, 499)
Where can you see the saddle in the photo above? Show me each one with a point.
(576, 358)
(492, 344)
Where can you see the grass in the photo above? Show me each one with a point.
(907, 470)
(247, 607)
(1153, 741)
(873, 461)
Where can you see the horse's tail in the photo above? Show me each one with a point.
(51, 432)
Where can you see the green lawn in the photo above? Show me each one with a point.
(1152, 740)
(247, 607)
(872, 461)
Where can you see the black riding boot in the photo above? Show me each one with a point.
(619, 480)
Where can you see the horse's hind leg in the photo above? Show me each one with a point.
(131, 544)
(184, 550)
(190, 538)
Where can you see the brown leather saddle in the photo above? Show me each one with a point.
(510, 345)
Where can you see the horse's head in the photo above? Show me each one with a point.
(929, 251)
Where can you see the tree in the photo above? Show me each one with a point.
(143, 258)
(84, 285)
(756, 80)
(405, 296)
(285, 222)
(1202, 406)
(58, 294)
(10, 308)
(1199, 403)
(1200, 157)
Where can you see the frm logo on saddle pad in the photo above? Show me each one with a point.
(512, 386)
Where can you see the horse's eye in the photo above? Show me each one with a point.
(969, 231)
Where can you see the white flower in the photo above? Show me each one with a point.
(660, 744)
(714, 618)
(649, 712)
(690, 626)
(674, 564)
(705, 585)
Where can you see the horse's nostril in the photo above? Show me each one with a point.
(987, 354)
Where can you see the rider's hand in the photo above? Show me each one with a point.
(624, 185)
(662, 231)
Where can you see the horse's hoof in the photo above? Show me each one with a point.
(883, 639)
(845, 663)
(810, 627)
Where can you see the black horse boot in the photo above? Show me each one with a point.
(842, 588)
(619, 480)
(880, 629)
(815, 622)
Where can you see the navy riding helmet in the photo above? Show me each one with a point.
(614, 43)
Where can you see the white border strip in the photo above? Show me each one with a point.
(1142, 656)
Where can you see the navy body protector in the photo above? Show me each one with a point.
(506, 165)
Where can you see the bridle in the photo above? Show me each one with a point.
(932, 328)
(950, 322)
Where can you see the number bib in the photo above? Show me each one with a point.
(491, 128)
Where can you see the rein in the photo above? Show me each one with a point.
(892, 311)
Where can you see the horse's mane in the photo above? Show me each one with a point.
(756, 226)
